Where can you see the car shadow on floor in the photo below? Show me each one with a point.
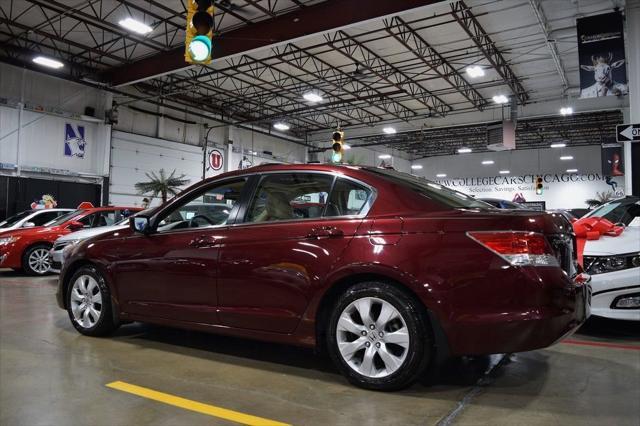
(606, 328)
(455, 372)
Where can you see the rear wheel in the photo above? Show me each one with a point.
(36, 260)
(89, 303)
(378, 337)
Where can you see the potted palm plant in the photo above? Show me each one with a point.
(159, 184)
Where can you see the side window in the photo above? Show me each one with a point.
(348, 198)
(107, 218)
(290, 196)
(43, 218)
(88, 220)
(207, 209)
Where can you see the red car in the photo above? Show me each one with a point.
(27, 249)
(392, 273)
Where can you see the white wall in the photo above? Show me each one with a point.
(466, 173)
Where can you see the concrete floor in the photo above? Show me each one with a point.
(51, 375)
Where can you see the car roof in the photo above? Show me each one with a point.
(110, 208)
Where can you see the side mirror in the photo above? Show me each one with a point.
(75, 226)
(140, 224)
(28, 225)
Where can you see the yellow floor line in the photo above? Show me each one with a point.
(198, 407)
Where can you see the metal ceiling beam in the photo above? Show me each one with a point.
(486, 45)
(357, 51)
(551, 45)
(302, 22)
(414, 43)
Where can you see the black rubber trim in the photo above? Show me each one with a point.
(615, 289)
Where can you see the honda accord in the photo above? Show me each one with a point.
(384, 271)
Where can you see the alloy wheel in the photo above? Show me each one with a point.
(40, 261)
(372, 337)
(86, 301)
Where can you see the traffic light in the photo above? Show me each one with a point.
(539, 185)
(337, 146)
(199, 32)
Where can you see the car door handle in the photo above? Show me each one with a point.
(204, 241)
(325, 231)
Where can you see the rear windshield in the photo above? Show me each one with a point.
(15, 219)
(432, 190)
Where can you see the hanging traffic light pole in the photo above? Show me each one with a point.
(199, 31)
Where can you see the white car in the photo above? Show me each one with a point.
(31, 218)
(57, 253)
(614, 262)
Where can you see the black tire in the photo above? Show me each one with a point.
(419, 350)
(105, 324)
(31, 251)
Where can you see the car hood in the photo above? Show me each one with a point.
(627, 242)
(29, 232)
(88, 233)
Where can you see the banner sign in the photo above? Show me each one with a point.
(74, 142)
(601, 55)
(612, 160)
(560, 191)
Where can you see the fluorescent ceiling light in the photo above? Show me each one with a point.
(572, 170)
(566, 157)
(441, 175)
(48, 62)
(487, 162)
(384, 156)
(558, 145)
(566, 111)
(345, 146)
(389, 130)
(281, 126)
(464, 150)
(135, 26)
(504, 172)
(500, 99)
(475, 71)
(312, 97)
(416, 166)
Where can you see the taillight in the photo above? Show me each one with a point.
(518, 248)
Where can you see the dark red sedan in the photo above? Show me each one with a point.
(383, 270)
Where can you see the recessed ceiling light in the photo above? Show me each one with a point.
(558, 145)
(48, 62)
(500, 99)
(346, 146)
(464, 150)
(566, 157)
(281, 126)
(389, 130)
(312, 97)
(135, 26)
(441, 175)
(487, 162)
(416, 166)
(475, 71)
(572, 170)
(504, 172)
(566, 111)
(384, 156)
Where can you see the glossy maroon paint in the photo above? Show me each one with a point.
(269, 280)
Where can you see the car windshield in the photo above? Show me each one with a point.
(15, 219)
(432, 190)
(64, 218)
(624, 210)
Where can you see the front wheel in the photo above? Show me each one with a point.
(36, 260)
(378, 337)
(89, 303)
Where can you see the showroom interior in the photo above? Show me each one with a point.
(198, 199)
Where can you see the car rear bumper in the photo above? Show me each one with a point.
(521, 330)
